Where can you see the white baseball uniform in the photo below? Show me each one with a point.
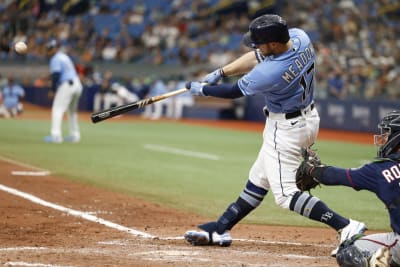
(292, 121)
(66, 98)
(285, 80)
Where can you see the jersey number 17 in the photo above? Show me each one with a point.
(306, 81)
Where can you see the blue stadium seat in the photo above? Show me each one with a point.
(235, 41)
(103, 21)
(136, 30)
(158, 4)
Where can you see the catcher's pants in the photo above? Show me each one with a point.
(280, 154)
(66, 99)
(373, 242)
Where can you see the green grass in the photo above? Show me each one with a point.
(114, 155)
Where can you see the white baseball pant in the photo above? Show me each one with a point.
(66, 99)
(280, 154)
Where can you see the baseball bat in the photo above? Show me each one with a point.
(115, 111)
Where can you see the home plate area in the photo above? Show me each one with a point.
(50, 221)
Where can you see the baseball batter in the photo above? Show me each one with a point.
(67, 89)
(381, 177)
(282, 71)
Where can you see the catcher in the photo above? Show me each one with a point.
(381, 176)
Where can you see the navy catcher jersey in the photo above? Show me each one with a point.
(382, 178)
(286, 80)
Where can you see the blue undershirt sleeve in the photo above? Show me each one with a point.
(223, 90)
(55, 78)
(336, 176)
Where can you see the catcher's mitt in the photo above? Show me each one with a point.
(304, 178)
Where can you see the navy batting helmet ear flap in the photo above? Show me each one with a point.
(265, 29)
(247, 41)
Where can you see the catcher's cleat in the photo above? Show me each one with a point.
(203, 238)
(353, 228)
(380, 258)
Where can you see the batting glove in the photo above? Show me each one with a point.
(196, 88)
(213, 77)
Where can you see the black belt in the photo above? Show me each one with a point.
(290, 115)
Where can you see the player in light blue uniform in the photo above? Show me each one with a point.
(67, 89)
(12, 94)
(282, 70)
(287, 86)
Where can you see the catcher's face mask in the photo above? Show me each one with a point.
(381, 139)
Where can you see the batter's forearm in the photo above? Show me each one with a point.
(241, 65)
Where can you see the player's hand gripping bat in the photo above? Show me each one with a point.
(115, 111)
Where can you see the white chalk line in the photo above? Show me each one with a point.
(182, 252)
(268, 242)
(23, 164)
(149, 254)
(22, 263)
(22, 248)
(75, 213)
(178, 151)
(30, 173)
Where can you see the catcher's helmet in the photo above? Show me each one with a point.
(265, 29)
(389, 139)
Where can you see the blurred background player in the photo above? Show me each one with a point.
(124, 95)
(155, 111)
(382, 177)
(103, 97)
(112, 93)
(66, 88)
(179, 102)
(11, 95)
(281, 71)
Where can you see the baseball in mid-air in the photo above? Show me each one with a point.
(20, 47)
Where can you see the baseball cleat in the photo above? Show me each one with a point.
(52, 139)
(197, 238)
(353, 228)
(380, 258)
(203, 238)
(224, 240)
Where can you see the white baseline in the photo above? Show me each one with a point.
(75, 213)
(14, 162)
